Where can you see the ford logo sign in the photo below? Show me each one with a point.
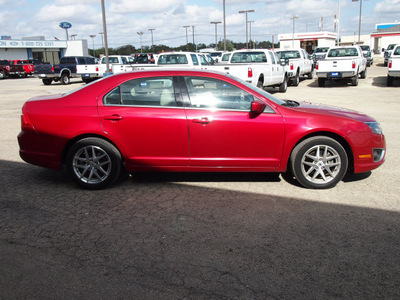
(65, 25)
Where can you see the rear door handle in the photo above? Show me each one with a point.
(113, 118)
(202, 120)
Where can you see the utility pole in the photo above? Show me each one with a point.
(187, 43)
(224, 27)
(140, 33)
(194, 45)
(246, 12)
(152, 44)
(293, 18)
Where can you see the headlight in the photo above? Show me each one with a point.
(375, 127)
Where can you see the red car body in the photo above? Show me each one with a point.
(190, 138)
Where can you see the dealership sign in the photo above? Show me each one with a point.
(32, 44)
(65, 25)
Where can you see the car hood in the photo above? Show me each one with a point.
(333, 111)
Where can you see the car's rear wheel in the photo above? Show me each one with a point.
(296, 79)
(319, 162)
(363, 74)
(94, 163)
(354, 80)
(47, 81)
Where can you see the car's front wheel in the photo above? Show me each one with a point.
(319, 162)
(94, 163)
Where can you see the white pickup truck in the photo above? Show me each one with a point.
(298, 63)
(342, 63)
(260, 67)
(394, 66)
(117, 64)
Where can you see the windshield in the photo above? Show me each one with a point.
(259, 91)
(342, 52)
(322, 49)
(248, 57)
(391, 46)
(288, 54)
(365, 48)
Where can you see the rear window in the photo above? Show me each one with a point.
(342, 52)
(172, 59)
(248, 57)
(322, 49)
(288, 54)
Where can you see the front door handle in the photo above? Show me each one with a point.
(202, 120)
(113, 118)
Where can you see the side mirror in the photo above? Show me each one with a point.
(283, 62)
(257, 107)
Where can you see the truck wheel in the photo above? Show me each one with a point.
(296, 79)
(319, 162)
(260, 84)
(363, 74)
(2, 75)
(389, 81)
(47, 81)
(321, 82)
(354, 80)
(65, 79)
(283, 85)
(311, 74)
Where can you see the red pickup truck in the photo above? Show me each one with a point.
(27, 66)
(6, 69)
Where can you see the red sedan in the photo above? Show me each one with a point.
(194, 121)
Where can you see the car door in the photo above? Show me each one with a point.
(223, 132)
(276, 69)
(147, 121)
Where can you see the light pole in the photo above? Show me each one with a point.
(102, 39)
(224, 27)
(338, 24)
(187, 43)
(359, 20)
(250, 34)
(215, 23)
(194, 45)
(152, 44)
(293, 18)
(140, 33)
(93, 36)
(246, 12)
(103, 13)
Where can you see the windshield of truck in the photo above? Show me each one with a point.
(321, 50)
(111, 60)
(364, 48)
(288, 54)
(172, 59)
(391, 46)
(342, 52)
(248, 57)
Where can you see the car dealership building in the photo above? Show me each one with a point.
(38, 48)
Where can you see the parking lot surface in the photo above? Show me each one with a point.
(202, 236)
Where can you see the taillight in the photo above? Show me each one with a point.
(97, 69)
(353, 65)
(250, 72)
(291, 67)
(25, 122)
(317, 66)
(390, 64)
(52, 68)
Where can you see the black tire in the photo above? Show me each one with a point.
(260, 84)
(354, 80)
(363, 74)
(389, 81)
(283, 85)
(311, 74)
(321, 82)
(47, 81)
(2, 75)
(94, 163)
(296, 79)
(319, 162)
(65, 79)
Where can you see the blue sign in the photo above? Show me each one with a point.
(65, 25)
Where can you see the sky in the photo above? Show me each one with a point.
(125, 18)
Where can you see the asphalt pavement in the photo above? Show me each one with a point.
(202, 236)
